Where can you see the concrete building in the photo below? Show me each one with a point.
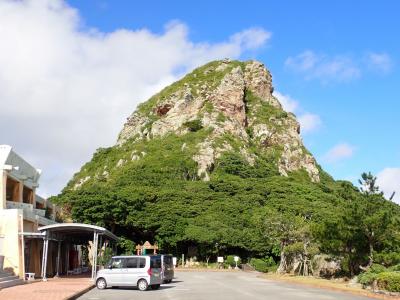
(22, 212)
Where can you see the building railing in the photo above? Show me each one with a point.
(19, 205)
(44, 221)
(31, 213)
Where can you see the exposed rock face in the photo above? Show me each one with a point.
(80, 182)
(205, 159)
(231, 98)
(326, 266)
(259, 81)
(228, 97)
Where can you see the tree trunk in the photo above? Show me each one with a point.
(370, 257)
(283, 264)
(371, 254)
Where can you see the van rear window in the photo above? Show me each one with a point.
(155, 262)
(168, 260)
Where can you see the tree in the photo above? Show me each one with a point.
(366, 227)
(368, 184)
(293, 235)
(375, 220)
(373, 216)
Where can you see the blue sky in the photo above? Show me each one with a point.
(335, 64)
(361, 111)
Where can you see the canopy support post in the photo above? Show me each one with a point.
(94, 253)
(58, 259)
(67, 262)
(44, 257)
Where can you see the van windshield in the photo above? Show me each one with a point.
(116, 263)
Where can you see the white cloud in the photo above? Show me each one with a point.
(66, 90)
(252, 38)
(323, 67)
(339, 152)
(381, 62)
(309, 122)
(288, 103)
(388, 181)
(337, 68)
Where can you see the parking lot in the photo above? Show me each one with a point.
(220, 285)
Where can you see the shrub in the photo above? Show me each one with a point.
(387, 258)
(282, 114)
(367, 278)
(389, 281)
(375, 268)
(230, 261)
(394, 268)
(264, 265)
(194, 125)
(259, 265)
(273, 268)
(105, 257)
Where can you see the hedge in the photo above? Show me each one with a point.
(389, 281)
(263, 265)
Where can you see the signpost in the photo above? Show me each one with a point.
(220, 261)
(236, 258)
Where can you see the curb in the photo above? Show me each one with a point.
(79, 293)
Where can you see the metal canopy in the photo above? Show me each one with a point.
(77, 230)
(76, 233)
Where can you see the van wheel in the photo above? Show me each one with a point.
(101, 283)
(142, 285)
(155, 286)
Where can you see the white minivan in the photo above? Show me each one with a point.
(139, 271)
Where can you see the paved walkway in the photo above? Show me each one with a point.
(53, 289)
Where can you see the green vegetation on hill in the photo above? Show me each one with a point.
(159, 198)
(150, 189)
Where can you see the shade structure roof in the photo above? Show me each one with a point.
(76, 232)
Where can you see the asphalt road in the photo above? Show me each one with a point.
(221, 286)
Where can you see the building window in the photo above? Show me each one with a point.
(27, 195)
(12, 190)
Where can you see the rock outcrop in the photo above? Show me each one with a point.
(230, 98)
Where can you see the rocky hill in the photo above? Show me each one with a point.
(231, 99)
(213, 164)
(233, 102)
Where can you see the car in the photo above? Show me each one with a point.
(140, 271)
(167, 267)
